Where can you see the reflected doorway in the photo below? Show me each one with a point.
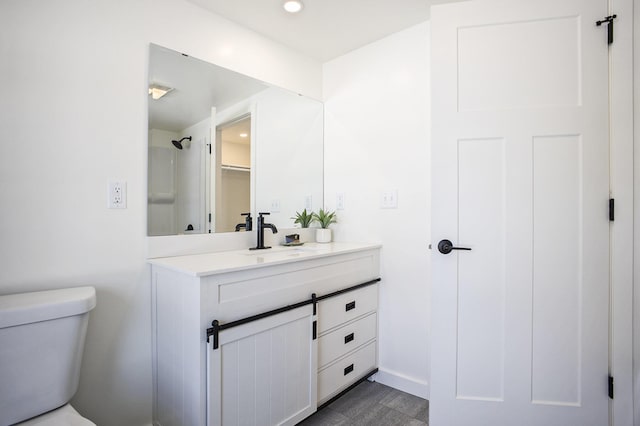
(233, 173)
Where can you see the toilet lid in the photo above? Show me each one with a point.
(63, 416)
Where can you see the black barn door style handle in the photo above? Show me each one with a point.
(446, 246)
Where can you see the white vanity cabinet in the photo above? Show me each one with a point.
(275, 355)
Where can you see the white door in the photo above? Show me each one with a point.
(520, 176)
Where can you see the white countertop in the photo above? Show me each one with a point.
(228, 261)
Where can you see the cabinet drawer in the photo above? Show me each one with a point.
(335, 344)
(339, 309)
(345, 371)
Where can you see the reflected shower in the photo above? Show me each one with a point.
(178, 144)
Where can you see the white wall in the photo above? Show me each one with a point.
(377, 139)
(236, 185)
(236, 154)
(73, 115)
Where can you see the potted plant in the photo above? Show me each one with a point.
(324, 218)
(304, 218)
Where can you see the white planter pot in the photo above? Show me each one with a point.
(323, 235)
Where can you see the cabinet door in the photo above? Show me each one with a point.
(264, 372)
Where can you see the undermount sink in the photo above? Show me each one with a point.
(282, 251)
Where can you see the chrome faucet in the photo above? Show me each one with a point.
(261, 226)
(248, 223)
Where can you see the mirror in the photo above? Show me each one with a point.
(222, 144)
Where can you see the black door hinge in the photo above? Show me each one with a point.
(612, 209)
(609, 21)
(611, 387)
(209, 217)
(209, 149)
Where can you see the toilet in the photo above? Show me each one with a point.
(41, 344)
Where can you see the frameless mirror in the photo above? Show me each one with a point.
(222, 144)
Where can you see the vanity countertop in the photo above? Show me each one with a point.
(229, 261)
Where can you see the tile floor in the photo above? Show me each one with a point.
(372, 403)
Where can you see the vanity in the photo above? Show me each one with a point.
(261, 337)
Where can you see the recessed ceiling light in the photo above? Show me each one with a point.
(292, 6)
(156, 91)
(243, 135)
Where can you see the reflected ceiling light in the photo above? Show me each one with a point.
(243, 135)
(156, 91)
(292, 6)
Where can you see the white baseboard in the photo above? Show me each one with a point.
(401, 382)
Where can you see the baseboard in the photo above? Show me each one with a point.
(402, 382)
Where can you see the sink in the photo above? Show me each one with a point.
(283, 251)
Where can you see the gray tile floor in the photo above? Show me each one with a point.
(372, 403)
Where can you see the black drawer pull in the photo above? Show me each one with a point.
(349, 306)
(348, 370)
(348, 338)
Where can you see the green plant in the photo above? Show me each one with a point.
(325, 218)
(304, 218)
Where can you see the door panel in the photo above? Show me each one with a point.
(520, 175)
(557, 266)
(513, 62)
(481, 280)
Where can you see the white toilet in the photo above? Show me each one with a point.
(41, 344)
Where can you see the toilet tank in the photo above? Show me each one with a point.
(41, 344)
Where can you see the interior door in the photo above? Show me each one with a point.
(520, 176)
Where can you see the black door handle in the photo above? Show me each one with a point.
(446, 246)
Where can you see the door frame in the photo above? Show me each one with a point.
(621, 410)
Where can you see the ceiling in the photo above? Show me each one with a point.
(324, 29)
(197, 86)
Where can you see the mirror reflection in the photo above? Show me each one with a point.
(222, 144)
(234, 174)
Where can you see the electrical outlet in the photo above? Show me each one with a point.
(275, 206)
(340, 201)
(117, 195)
(389, 199)
(308, 203)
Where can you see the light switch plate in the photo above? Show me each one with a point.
(389, 199)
